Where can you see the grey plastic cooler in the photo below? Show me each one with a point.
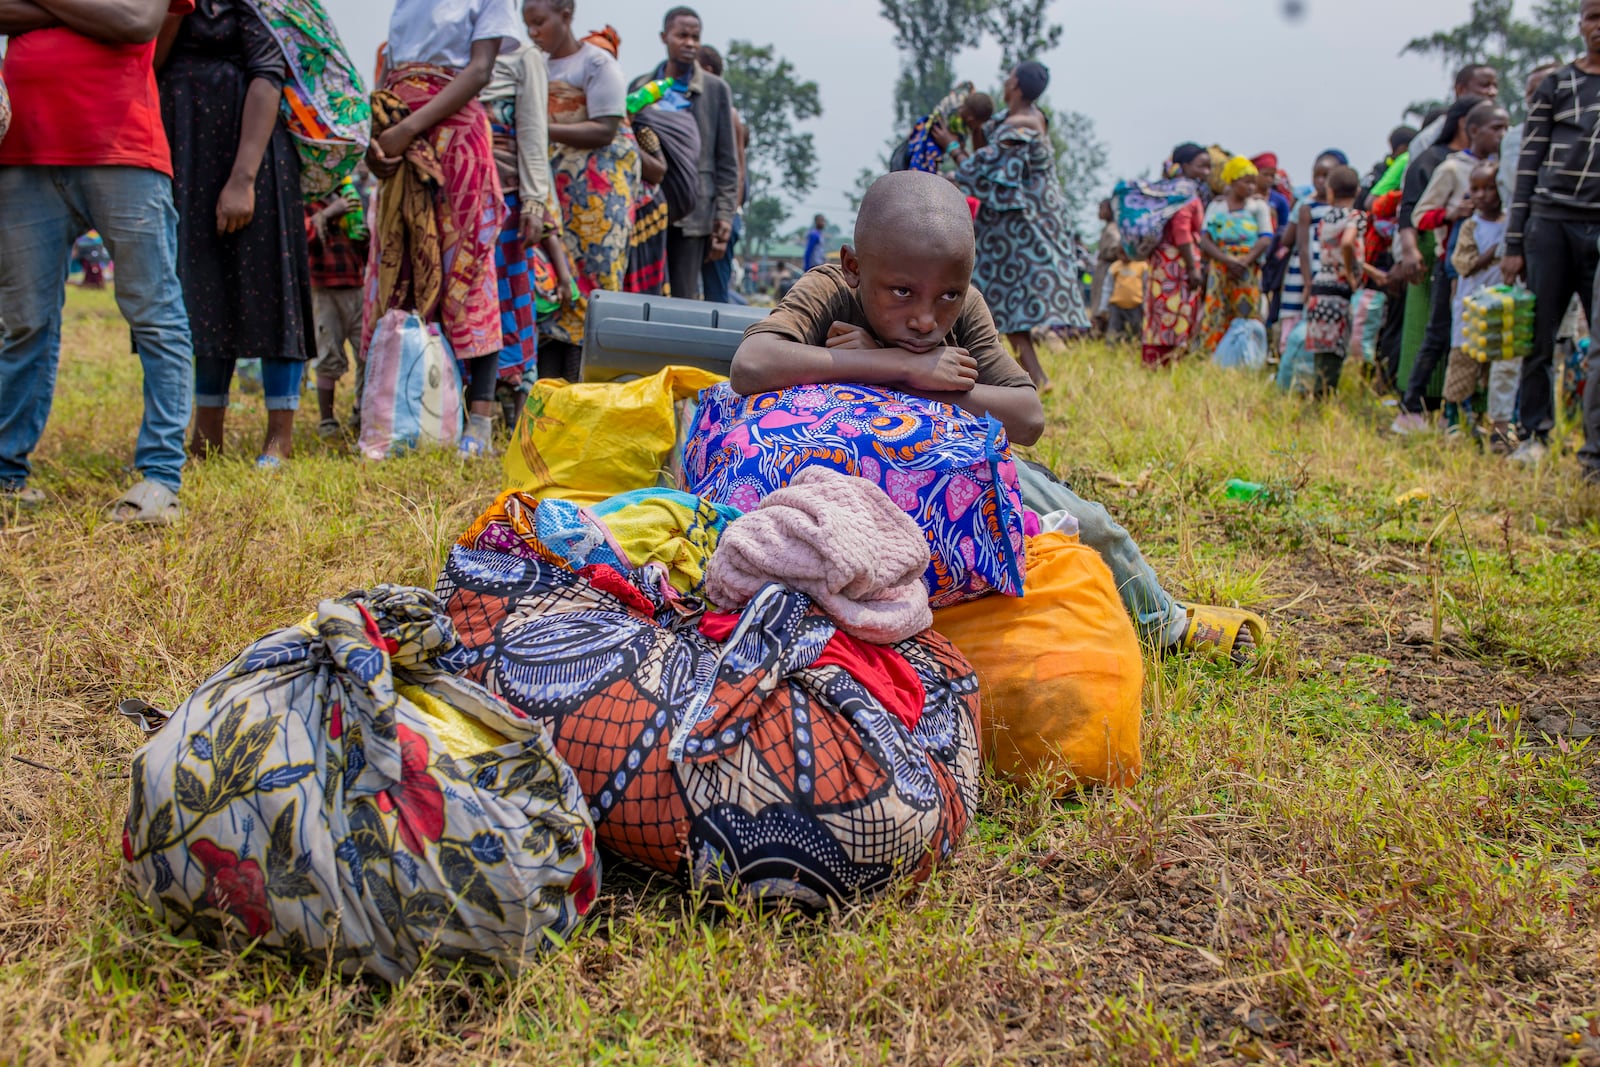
(629, 334)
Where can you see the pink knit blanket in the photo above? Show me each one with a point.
(839, 540)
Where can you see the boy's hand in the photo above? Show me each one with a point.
(337, 208)
(1460, 210)
(944, 370)
(854, 338)
(534, 225)
(236, 206)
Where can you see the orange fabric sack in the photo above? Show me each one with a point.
(1060, 671)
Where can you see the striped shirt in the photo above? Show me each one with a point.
(1559, 173)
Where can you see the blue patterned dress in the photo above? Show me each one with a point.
(1026, 268)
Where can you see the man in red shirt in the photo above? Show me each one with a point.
(86, 150)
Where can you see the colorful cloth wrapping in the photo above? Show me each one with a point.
(336, 795)
(452, 282)
(324, 104)
(1144, 208)
(950, 471)
(406, 267)
(1171, 305)
(519, 320)
(922, 152)
(660, 539)
(737, 767)
(667, 527)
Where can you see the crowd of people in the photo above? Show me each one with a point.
(1386, 267)
(497, 186)
(504, 182)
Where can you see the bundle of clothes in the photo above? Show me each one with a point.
(777, 682)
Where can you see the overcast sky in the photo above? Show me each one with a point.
(1151, 73)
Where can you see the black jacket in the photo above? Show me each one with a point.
(711, 101)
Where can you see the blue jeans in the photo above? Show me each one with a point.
(45, 210)
(280, 380)
(716, 275)
(1154, 612)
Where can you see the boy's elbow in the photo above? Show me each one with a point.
(1029, 423)
(1029, 429)
(748, 370)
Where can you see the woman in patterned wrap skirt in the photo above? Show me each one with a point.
(1026, 267)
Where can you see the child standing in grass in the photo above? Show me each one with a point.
(337, 263)
(1477, 260)
(1126, 280)
(1340, 236)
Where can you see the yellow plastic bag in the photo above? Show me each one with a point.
(594, 440)
(1060, 671)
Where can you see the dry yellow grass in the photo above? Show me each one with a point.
(1358, 854)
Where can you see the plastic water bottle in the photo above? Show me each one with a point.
(354, 221)
(1249, 492)
(647, 94)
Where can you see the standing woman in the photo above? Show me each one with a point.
(242, 256)
(1237, 234)
(440, 56)
(594, 161)
(1026, 267)
(1172, 298)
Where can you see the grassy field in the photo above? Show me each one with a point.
(1379, 846)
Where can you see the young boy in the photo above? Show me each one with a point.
(337, 263)
(1445, 202)
(1341, 235)
(899, 310)
(1127, 282)
(1477, 260)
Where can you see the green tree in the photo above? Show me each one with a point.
(781, 160)
(1023, 30)
(930, 34)
(1495, 34)
(763, 216)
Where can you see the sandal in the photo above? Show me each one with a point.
(22, 497)
(330, 430)
(1216, 630)
(146, 504)
(269, 464)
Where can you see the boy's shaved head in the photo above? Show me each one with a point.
(912, 261)
(915, 215)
